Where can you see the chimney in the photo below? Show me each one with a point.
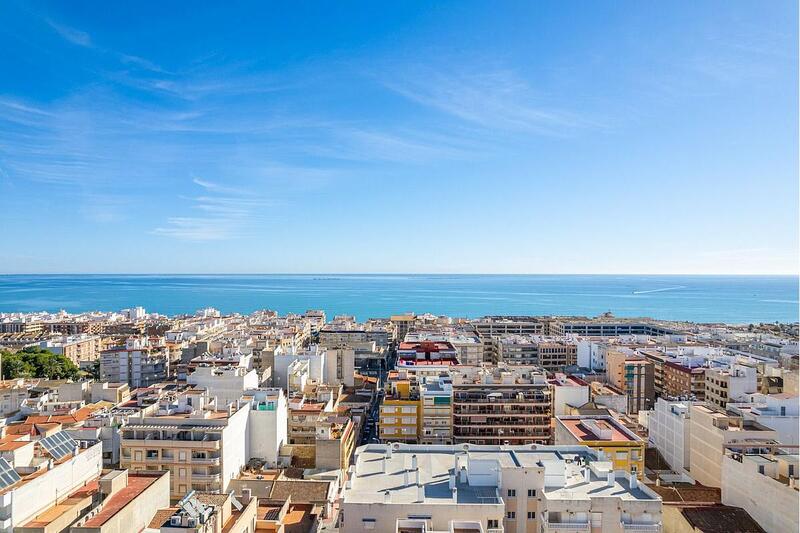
(454, 492)
(406, 478)
(383, 465)
(414, 462)
(611, 478)
(420, 493)
(463, 475)
(452, 483)
(387, 497)
(388, 451)
(792, 482)
(586, 475)
(416, 476)
(634, 481)
(247, 495)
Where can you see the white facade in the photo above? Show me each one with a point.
(316, 365)
(757, 484)
(24, 501)
(780, 412)
(494, 489)
(568, 391)
(670, 431)
(227, 384)
(268, 421)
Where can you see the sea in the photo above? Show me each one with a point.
(729, 299)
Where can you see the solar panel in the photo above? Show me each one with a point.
(8, 476)
(59, 445)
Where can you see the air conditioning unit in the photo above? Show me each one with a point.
(175, 521)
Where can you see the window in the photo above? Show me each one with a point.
(531, 515)
(368, 523)
(512, 493)
(492, 523)
(511, 515)
(531, 493)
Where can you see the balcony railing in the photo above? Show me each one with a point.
(641, 528)
(566, 526)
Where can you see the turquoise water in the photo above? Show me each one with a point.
(734, 299)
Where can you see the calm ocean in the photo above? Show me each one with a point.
(733, 299)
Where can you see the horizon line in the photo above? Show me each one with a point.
(792, 274)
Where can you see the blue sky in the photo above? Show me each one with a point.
(528, 137)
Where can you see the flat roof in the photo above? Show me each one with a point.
(584, 432)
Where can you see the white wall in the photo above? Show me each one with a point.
(38, 494)
(771, 503)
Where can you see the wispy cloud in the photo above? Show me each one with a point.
(225, 213)
(493, 99)
(72, 35)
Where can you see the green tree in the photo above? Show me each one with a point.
(38, 363)
(14, 366)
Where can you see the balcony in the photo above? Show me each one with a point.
(205, 478)
(640, 528)
(566, 526)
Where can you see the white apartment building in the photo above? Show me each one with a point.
(202, 446)
(493, 489)
(436, 396)
(227, 384)
(670, 432)
(730, 384)
(780, 412)
(765, 486)
(711, 430)
(38, 475)
(267, 424)
(316, 357)
(140, 363)
(567, 391)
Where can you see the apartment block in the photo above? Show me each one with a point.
(501, 405)
(140, 363)
(400, 412)
(493, 489)
(682, 378)
(201, 447)
(436, 397)
(764, 485)
(729, 384)
(634, 376)
(606, 435)
(225, 383)
(780, 412)
(38, 474)
(712, 430)
(552, 354)
(77, 348)
(669, 430)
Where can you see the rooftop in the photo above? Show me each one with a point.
(597, 428)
